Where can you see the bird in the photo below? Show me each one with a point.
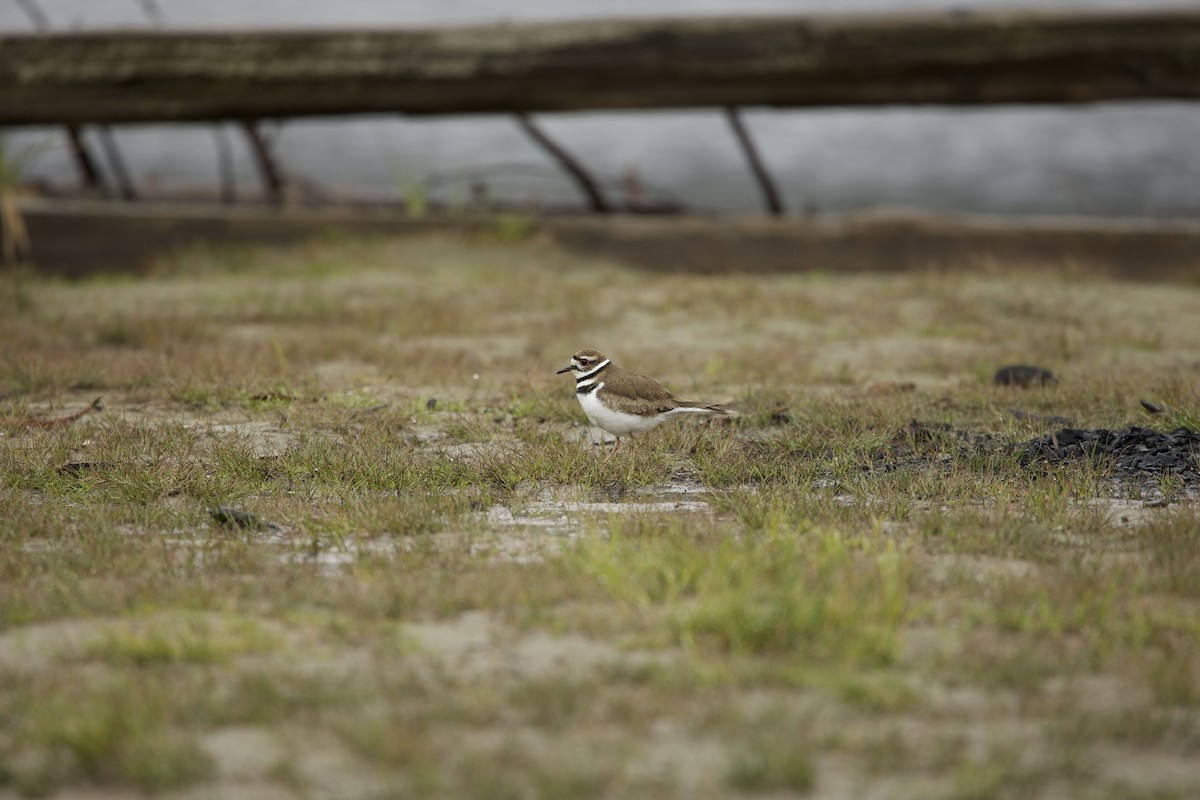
(622, 402)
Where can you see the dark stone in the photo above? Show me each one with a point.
(1023, 375)
(236, 518)
(76, 469)
(780, 416)
(916, 432)
(1153, 408)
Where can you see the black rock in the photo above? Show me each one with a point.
(779, 415)
(78, 468)
(1023, 375)
(236, 518)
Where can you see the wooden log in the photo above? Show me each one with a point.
(929, 58)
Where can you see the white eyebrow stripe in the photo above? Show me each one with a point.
(593, 371)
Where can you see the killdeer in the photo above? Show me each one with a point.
(623, 402)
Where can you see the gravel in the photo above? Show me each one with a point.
(1132, 452)
(1133, 455)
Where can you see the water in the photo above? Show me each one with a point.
(1120, 159)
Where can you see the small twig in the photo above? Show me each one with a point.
(45, 423)
(765, 183)
(370, 410)
(583, 179)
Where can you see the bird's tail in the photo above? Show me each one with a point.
(706, 408)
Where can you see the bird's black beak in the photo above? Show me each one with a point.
(567, 368)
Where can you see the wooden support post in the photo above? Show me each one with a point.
(225, 165)
(82, 156)
(271, 176)
(579, 174)
(38, 17)
(153, 13)
(116, 164)
(766, 184)
(85, 162)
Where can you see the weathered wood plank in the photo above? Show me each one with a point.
(950, 58)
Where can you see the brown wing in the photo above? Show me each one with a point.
(638, 394)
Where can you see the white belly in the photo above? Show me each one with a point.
(618, 423)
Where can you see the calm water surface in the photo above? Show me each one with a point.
(1121, 159)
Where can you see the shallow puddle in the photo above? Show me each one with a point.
(522, 533)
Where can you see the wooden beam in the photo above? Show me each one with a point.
(929, 58)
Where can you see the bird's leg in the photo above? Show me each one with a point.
(633, 456)
(612, 451)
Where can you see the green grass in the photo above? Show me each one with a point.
(818, 596)
(769, 766)
(121, 732)
(461, 597)
(190, 639)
